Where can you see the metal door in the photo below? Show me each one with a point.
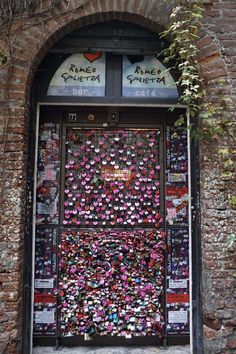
(105, 230)
(111, 261)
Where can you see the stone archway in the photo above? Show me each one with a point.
(29, 41)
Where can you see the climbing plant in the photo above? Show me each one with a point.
(183, 33)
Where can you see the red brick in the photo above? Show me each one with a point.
(217, 42)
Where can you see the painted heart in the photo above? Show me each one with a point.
(135, 58)
(91, 57)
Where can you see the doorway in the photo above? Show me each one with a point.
(111, 228)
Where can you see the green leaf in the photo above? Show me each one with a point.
(223, 151)
(180, 121)
(231, 238)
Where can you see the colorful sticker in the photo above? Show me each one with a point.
(177, 298)
(45, 281)
(177, 292)
(44, 318)
(45, 257)
(178, 319)
(111, 282)
(177, 198)
(48, 174)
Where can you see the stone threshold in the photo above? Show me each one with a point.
(113, 350)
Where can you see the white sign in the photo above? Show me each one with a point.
(44, 316)
(44, 283)
(178, 284)
(176, 177)
(146, 76)
(80, 75)
(178, 316)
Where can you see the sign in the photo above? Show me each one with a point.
(177, 298)
(80, 75)
(43, 283)
(176, 177)
(44, 298)
(178, 316)
(178, 284)
(146, 76)
(112, 175)
(44, 316)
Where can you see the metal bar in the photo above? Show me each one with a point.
(190, 233)
(196, 252)
(165, 228)
(34, 221)
(58, 228)
(89, 104)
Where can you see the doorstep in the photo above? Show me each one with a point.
(113, 350)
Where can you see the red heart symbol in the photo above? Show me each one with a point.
(93, 56)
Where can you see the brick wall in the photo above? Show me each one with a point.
(27, 40)
(217, 61)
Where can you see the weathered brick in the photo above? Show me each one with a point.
(31, 38)
(231, 344)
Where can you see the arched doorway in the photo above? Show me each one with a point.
(111, 166)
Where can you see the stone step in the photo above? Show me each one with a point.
(113, 350)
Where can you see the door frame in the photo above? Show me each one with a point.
(194, 242)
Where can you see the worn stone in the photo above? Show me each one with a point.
(117, 350)
(29, 39)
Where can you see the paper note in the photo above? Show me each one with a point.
(178, 284)
(178, 316)
(44, 283)
(44, 316)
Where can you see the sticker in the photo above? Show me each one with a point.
(171, 214)
(44, 298)
(42, 209)
(178, 316)
(44, 316)
(120, 175)
(177, 298)
(47, 204)
(178, 278)
(44, 283)
(178, 257)
(176, 177)
(49, 175)
(45, 255)
(178, 284)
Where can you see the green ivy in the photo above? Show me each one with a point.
(183, 33)
(230, 240)
(232, 201)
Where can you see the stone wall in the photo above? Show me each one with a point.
(26, 40)
(218, 64)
